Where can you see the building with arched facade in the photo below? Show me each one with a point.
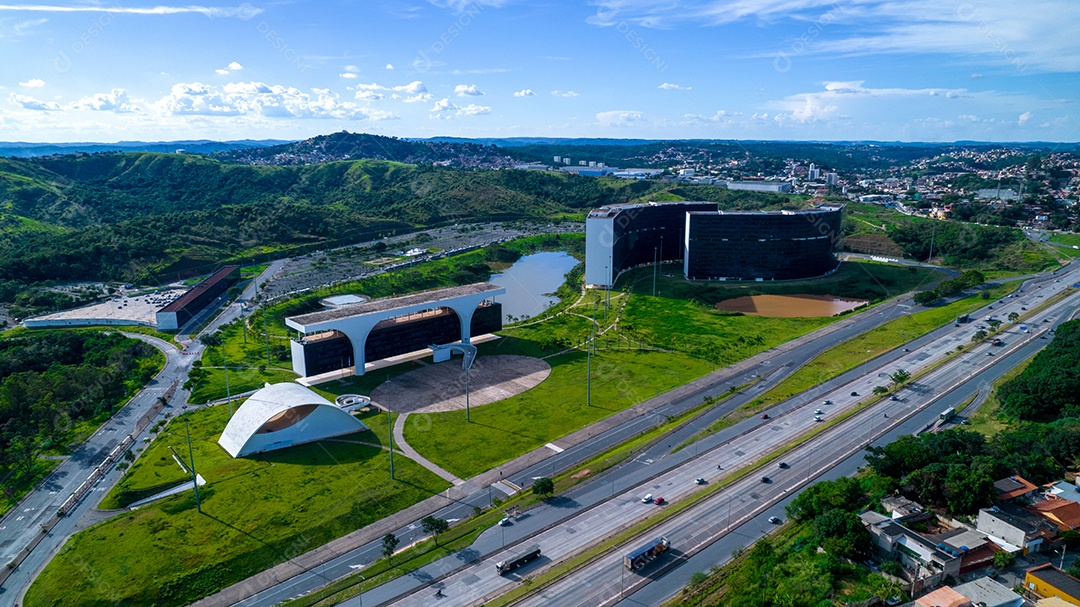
(358, 334)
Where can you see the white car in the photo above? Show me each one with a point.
(647, 499)
(818, 418)
(504, 522)
(818, 411)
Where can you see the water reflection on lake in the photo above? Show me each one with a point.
(789, 306)
(529, 278)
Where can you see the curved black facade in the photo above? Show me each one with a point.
(711, 244)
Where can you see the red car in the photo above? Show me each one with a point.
(764, 416)
(659, 501)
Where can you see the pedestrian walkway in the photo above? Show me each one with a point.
(409, 452)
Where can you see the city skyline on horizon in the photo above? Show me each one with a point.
(770, 70)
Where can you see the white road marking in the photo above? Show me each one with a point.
(554, 447)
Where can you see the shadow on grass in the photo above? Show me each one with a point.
(323, 453)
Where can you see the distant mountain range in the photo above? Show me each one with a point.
(20, 149)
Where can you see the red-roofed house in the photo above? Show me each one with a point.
(1013, 487)
(943, 597)
(1063, 513)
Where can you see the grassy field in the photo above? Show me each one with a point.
(257, 512)
(511, 427)
(858, 350)
(1072, 240)
(986, 419)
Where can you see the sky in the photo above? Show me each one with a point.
(888, 70)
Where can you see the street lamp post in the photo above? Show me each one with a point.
(360, 593)
(468, 418)
(191, 457)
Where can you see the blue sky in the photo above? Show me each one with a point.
(923, 70)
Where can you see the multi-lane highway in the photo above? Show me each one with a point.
(717, 515)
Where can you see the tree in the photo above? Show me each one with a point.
(842, 533)
(434, 526)
(389, 544)
(543, 487)
(900, 377)
(1004, 560)
(925, 298)
(1014, 316)
(881, 390)
(994, 323)
(979, 335)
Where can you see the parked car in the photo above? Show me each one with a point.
(647, 499)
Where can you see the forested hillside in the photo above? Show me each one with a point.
(147, 216)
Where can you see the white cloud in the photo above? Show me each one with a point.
(389, 66)
(33, 83)
(352, 69)
(235, 67)
(349, 75)
(30, 103)
(222, 71)
(667, 86)
(620, 118)
(990, 30)
(116, 100)
(444, 108)
(1023, 118)
(463, 90)
(260, 99)
(525, 93)
(821, 105)
(558, 93)
(243, 12)
(409, 93)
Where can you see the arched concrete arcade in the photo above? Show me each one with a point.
(357, 322)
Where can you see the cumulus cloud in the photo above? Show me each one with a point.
(235, 67)
(620, 118)
(30, 103)
(222, 71)
(558, 93)
(463, 90)
(409, 93)
(444, 108)
(116, 100)
(667, 86)
(389, 66)
(525, 93)
(260, 99)
(33, 83)
(1022, 120)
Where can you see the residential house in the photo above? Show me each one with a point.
(1014, 528)
(985, 592)
(943, 597)
(1064, 514)
(1014, 487)
(927, 562)
(1048, 581)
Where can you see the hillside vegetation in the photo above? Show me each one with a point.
(148, 216)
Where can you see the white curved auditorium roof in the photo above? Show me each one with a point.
(282, 415)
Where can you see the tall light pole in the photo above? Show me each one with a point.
(654, 258)
(228, 392)
(467, 373)
(360, 591)
(390, 438)
(191, 457)
(588, 372)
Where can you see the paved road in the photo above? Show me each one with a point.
(592, 586)
(772, 366)
(40, 506)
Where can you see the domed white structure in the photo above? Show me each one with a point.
(283, 415)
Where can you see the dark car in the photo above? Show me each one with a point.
(782, 465)
(764, 416)
(854, 393)
(766, 479)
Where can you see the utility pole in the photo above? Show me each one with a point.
(389, 427)
(191, 457)
(267, 332)
(228, 393)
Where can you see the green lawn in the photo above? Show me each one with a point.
(257, 512)
(858, 350)
(241, 379)
(1072, 240)
(506, 429)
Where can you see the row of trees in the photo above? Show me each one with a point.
(948, 288)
